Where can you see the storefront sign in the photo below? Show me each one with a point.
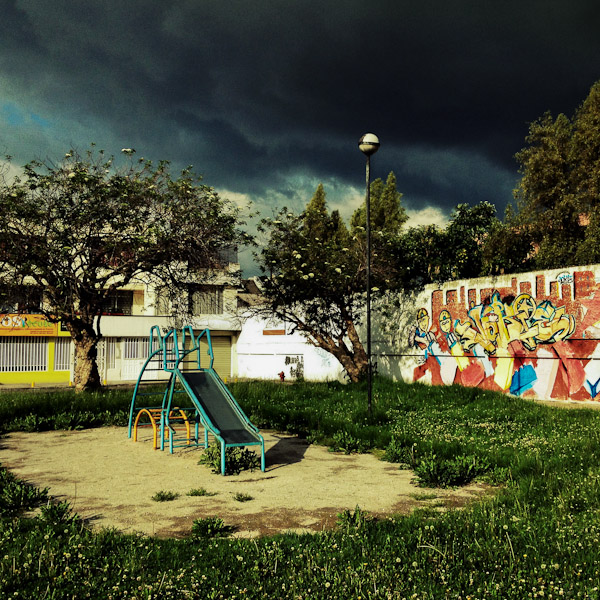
(27, 325)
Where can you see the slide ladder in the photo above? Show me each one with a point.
(164, 417)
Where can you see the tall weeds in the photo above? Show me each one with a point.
(536, 535)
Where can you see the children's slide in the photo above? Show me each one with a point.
(212, 404)
(220, 413)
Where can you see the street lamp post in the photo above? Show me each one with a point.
(369, 144)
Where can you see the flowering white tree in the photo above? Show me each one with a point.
(314, 271)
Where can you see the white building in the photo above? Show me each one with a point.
(267, 347)
(244, 346)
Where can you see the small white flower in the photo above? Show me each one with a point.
(338, 270)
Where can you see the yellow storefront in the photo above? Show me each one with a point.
(33, 350)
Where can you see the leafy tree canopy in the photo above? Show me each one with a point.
(557, 196)
(429, 253)
(78, 230)
(387, 213)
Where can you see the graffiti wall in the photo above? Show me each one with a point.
(528, 335)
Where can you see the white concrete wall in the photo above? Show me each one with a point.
(264, 356)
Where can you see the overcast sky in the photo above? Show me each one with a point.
(267, 98)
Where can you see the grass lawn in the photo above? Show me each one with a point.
(537, 537)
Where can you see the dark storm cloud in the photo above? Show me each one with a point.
(264, 95)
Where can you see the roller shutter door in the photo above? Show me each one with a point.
(221, 346)
(222, 353)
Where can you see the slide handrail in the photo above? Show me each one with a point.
(151, 354)
(172, 333)
(209, 352)
(153, 329)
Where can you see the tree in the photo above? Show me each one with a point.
(507, 247)
(74, 232)
(387, 213)
(585, 152)
(314, 280)
(557, 196)
(428, 253)
(418, 254)
(464, 240)
(387, 219)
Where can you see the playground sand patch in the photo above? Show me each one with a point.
(109, 480)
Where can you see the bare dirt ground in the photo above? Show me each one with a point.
(109, 480)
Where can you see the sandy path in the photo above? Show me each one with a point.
(110, 480)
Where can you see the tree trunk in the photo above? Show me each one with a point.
(87, 376)
(360, 360)
(354, 361)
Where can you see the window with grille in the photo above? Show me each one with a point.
(23, 354)
(62, 354)
(119, 302)
(111, 352)
(208, 300)
(135, 348)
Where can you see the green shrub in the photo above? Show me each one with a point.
(356, 519)
(348, 444)
(236, 459)
(434, 471)
(200, 492)
(398, 452)
(211, 527)
(164, 496)
(58, 513)
(241, 497)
